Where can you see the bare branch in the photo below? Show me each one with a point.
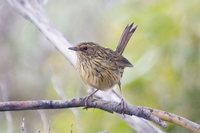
(33, 11)
(178, 120)
(157, 116)
(92, 103)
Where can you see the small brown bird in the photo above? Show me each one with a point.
(100, 67)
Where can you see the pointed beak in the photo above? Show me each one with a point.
(73, 48)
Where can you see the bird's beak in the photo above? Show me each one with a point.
(73, 48)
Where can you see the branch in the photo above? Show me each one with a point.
(33, 11)
(173, 118)
(112, 107)
(92, 103)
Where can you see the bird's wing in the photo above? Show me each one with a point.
(123, 62)
(119, 61)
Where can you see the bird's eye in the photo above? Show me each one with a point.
(85, 48)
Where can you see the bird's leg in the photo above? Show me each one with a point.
(89, 96)
(122, 102)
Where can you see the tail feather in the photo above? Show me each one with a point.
(125, 37)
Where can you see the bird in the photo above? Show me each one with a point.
(102, 68)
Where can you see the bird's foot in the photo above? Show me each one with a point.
(85, 99)
(122, 106)
(88, 97)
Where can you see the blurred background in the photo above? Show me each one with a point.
(165, 51)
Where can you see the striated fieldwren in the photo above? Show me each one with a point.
(100, 67)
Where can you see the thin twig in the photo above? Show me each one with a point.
(173, 118)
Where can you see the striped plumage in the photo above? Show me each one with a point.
(100, 67)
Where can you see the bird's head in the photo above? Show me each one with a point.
(86, 49)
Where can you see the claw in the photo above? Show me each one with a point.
(122, 105)
(88, 97)
(86, 100)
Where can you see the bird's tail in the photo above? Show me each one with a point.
(125, 37)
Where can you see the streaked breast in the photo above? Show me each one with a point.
(98, 76)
